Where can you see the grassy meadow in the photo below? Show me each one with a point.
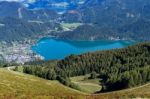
(16, 85)
(87, 85)
(70, 26)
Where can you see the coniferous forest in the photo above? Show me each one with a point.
(118, 68)
(74, 49)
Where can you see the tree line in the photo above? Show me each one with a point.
(118, 68)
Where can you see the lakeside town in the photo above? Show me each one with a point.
(19, 52)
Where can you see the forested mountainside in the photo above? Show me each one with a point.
(18, 10)
(12, 29)
(19, 23)
(100, 19)
(124, 19)
(118, 68)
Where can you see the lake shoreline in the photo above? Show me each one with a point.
(28, 54)
(47, 45)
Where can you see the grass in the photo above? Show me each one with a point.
(70, 26)
(20, 69)
(15, 85)
(137, 92)
(84, 79)
(87, 85)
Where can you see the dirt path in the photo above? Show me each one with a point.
(9, 68)
(15, 72)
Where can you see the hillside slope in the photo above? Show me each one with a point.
(12, 29)
(18, 10)
(119, 19)
(18, 86)
(117, 69)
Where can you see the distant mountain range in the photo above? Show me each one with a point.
(57, 5)
(101, 19)
(111, 19)
(18, 10)
(18, 22)
(60, 6)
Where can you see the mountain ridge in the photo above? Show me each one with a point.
(104, 19)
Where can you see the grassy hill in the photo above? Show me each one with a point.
(16, 85)
(114, 70)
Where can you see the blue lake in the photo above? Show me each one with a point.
(51, 48)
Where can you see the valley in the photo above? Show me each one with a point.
(21, 23)
(127, 22)
(74, 49)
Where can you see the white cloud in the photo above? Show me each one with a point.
(13, 0)
(27, 1)
(31, 1)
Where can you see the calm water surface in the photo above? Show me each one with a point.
(51, 48)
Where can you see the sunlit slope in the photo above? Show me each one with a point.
(17, 85)
(14, 85)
